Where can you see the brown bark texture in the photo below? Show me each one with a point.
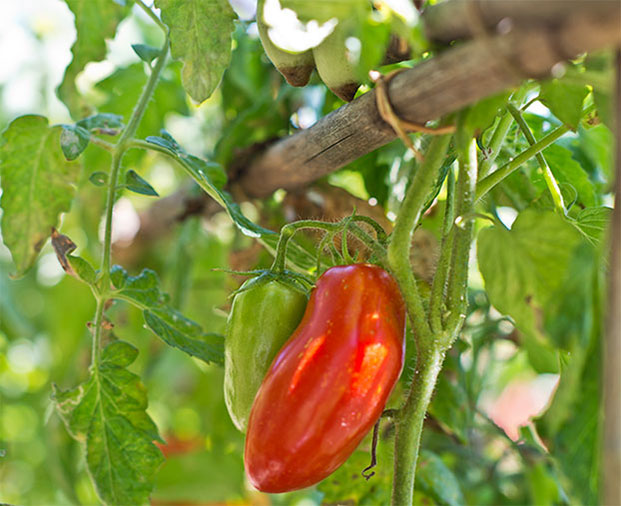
(505, 49)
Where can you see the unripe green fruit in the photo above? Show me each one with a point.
(335, 70)
(296, 68)
(261, 320)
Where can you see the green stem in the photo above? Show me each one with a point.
(442, 270)
(401, 238)
(500, 132)
(409, 425)
(551, 183)
(117, 156)
(97, 329)
(458, 279)
(152, 15)
(487, 183)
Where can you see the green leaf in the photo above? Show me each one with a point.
(146, 53)
(523, 269)
(136, 184)
(568, 170)
(449, 407)
(592, 222)
(73, 141)
(481, 115)
(200, 36)
(108, 415)
(596, 142)
(211, 178)
(82, 269)
(564, 99)
(437, 480)
(166, 322)
(95, 21)
(104, 122)
(38, 185)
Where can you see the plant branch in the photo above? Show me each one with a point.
(401, 238)
(487, 183)
(152, 15)
(549, 178)
(464, 225)
(500, 132)
(409, 425)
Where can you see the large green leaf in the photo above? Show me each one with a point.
(108, 415)
(166, 322)
(523, 268)
(200, 36)
(37, 184)
(564, 99)
(95, 21)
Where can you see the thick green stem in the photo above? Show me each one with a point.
(401, 238)
(500, 132)
(549, 178)
(464, 225)
(442, 269)
(409, 425)
(97, 329)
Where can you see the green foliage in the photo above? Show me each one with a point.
(95, 21)
(536, 308)
(200, 36)
(167, 323)
(30, 159)
(103, 414)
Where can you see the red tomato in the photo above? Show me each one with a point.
(328, 385)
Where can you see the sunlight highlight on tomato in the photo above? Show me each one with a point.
(328, 385)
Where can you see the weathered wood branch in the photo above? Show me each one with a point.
(460, 76)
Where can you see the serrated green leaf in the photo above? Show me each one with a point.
(523, 268)
(564, 100)
(38, 185)
(593, 222)
(136, 184)
(104, 122)
(107, 414)
(568, 170)
(146, 53)
(73, 141)
(166, 322)
(200, 36)
(437, 480)
(98, 178)
(95, 21)
(83, 270)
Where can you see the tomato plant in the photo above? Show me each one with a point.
(330, 382)
(262, 317)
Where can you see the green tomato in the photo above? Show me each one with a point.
(261, 320)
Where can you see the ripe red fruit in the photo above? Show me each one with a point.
(328, 385)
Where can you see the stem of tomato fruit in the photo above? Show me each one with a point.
(409, 422)
(401, 238)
